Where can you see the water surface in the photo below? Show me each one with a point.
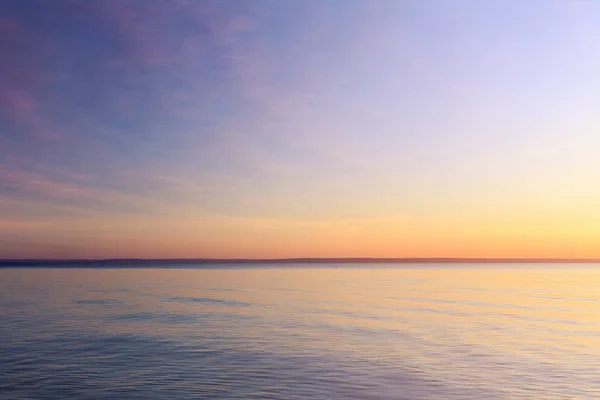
(367, 332)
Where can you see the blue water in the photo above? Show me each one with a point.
(368, 332)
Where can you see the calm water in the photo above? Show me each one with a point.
(300, 333)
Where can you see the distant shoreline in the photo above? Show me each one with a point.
(128, 262)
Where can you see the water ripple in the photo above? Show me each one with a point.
(327, 334)
(209, 300)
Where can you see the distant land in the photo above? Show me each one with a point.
(175, 262)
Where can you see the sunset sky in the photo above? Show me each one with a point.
(270, 128)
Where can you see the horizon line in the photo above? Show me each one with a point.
(296, 260)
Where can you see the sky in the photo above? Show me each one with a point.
(269, 128)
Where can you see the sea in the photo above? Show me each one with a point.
(301, 332)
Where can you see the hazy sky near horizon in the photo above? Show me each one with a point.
(269, 128)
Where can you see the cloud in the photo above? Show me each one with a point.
(22, 76)
(44, 196)
(111, 108)
(157, 33)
